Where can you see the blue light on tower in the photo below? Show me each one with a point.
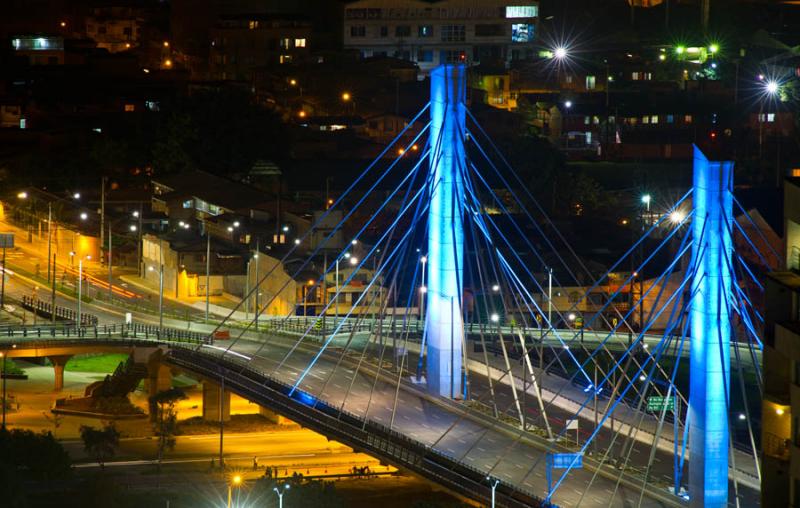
(443, 321)
(711, 331)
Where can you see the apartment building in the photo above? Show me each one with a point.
(448, 31)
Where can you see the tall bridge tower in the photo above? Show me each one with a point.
(711, 332)
(444, 326)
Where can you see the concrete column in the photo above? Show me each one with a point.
(211, 401)
(274, 417)
(59, 362)
(159, 378)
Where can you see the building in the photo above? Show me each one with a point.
(448, 31)
(115, 28)
(780, 434)
(40, 49)
(242, 43)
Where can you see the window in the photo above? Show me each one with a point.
(285, 59)
(588, 138)
(358, 31)
(687, 118)
(384, 31)
(568, 79)
(596, 120)
(286, 43)
(425, 30)
(252, 25)
(522, 32)
(189, 203)
(299, 43)
(670, 119)
(489, 30)
(522, 11)
(402, 31)
(454, 33)
(654, 119)
(425, 56)
(646, 119)
(129, 108)
(591, 82)
(586, 120)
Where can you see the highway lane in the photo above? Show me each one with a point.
(487, 449)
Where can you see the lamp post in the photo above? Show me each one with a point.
(281, 493)
(236, 481)
(493, 482)
(80, 286)
(257, 287)
(423, 289)
(208, 271)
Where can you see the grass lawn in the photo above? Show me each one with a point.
(103, 363)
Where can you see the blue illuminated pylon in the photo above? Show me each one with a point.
(711, 332)
(444, 325)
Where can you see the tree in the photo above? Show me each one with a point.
(100, 444)
(166, 421)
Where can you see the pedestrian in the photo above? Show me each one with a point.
(255, 463)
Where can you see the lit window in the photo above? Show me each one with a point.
(22, 123)
(189, 203)
(588, 138)
(425, 30)
(285, 59)
(670, 119)
(425, 56)
(654, 119)
(596, 120)
(770, 117)
(591, 82)
(568, 78)
(522, 11)
(645, 119)
(130, 108)
(586, 120)
(522, 32)
(687, 119)
(796, 173)
(252, 25)
(299, 43)
(286, 43)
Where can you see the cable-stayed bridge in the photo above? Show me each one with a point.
(453, 361)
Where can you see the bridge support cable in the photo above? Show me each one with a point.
(346, 282)
(557, 232)
(337, 203)
(779, 259)
(622, 395)
(623, 317)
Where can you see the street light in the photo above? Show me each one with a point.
(423, 288)
(22, 195)
(280, 494)
(560, 53)
(77, 195)
(236, 481)
(493, 482)
(567, 104)
(771, 87)
(84, 215)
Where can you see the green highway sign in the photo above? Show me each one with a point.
(657, 403)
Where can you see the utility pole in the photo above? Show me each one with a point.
(53, 292)
(49, 237)
(139, 242)
(705, 6)
(257, 287)
(110, 275)
(161, 284)
(208, 269)
(102, 211)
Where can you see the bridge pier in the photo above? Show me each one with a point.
(273, 417)
(159, 376)
(211, 402)
(59, 362)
